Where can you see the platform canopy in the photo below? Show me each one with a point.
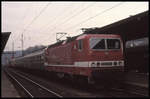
(4, 39)
(133, 27)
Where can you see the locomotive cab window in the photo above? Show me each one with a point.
(97, 43)
(80, 45)
(113, 43)
(104, 43)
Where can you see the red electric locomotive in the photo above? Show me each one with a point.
(92, 56)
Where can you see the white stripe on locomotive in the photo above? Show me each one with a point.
(88, 64)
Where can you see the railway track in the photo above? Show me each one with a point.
(125, 93)
(57, 87)
(111, 92)
(83, 90)
(136, 89)
(30, 87)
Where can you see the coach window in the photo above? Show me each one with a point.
(80, 45)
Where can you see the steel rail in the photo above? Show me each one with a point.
(39, 85)
(19, 84)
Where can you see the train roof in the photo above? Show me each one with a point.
(69, 39)
(39, 52)
(35, 53)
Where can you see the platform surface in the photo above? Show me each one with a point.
(7, 88)
(139, 79)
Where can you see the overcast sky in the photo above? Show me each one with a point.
(40, 21)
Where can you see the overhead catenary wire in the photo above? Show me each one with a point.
(82, 10)
(74, 15)
(24, 16)
(95, 15)
(20, 22)
(70, 25)
(56, 18)
(116, 5)
(63, 16)
(92, 16)
(36, 17)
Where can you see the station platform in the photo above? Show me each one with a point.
(137, 83)
(7, 88)
(138, 79)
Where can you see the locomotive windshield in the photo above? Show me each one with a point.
(101, 43)
(113, 43)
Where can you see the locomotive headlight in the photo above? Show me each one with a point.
(93, 65)
(121, 63)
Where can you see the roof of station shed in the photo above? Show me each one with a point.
(130, 28)
(5, 36)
